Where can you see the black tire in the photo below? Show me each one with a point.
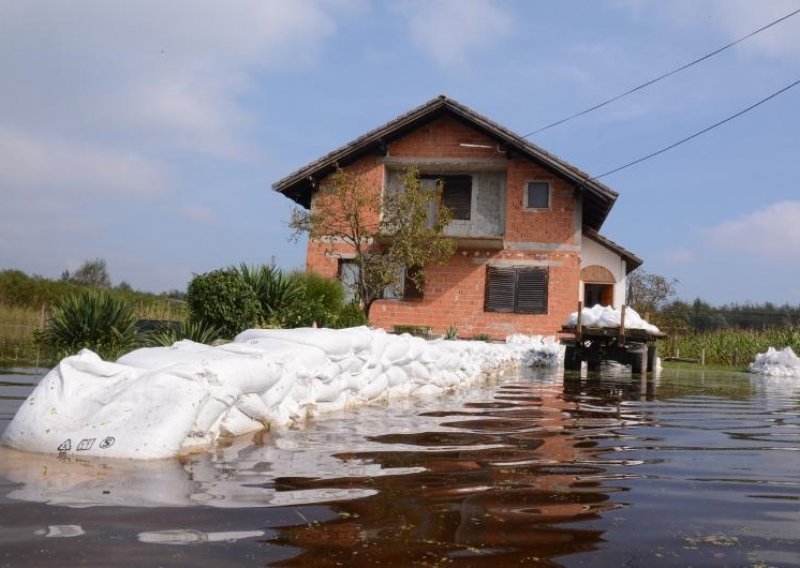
(652, 357)
(637, 358)
(571, 360)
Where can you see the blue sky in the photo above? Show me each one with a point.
(148, 133)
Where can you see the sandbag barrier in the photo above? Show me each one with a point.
(159, 402)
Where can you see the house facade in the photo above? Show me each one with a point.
(526, 225)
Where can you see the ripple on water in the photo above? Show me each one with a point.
(686, 469)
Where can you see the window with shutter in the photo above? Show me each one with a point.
(500, 284)
(531, 291)
(520, 290)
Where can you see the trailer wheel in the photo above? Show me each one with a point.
(571, 360)
(652, 357)
(637, 358)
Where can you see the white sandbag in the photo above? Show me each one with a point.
(332, 342)
(89, 406)
(396, 376)
(375, 388)
(418, 371)
(237, 423)
(253, 407)
(774, 363)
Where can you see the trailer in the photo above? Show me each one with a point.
(634, 347)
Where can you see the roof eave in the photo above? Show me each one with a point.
(300, 184)
(632, 262)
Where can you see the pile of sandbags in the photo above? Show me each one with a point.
(774, 363)
(159, 402)
(605, 316)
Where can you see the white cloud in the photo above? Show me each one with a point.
(772, 232)
(452, 30)
(99, 96)
(63, 168)
(169, 74)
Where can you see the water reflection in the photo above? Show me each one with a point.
(605, 469)
(499, 485)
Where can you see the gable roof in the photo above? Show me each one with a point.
(299, 185)
(631, 260)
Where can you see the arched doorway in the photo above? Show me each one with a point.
(598, 286)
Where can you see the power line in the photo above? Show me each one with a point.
(660, 77)
(696, 134)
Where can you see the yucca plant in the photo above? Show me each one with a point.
(199, 332)
(274, 290)
(451, 333)
(93, 319)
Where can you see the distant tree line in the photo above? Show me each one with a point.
(653, 296)
(19, 289)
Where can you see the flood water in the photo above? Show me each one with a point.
(689, 469)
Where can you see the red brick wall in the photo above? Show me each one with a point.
(454, 294)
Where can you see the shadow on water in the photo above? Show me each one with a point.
(606, 469)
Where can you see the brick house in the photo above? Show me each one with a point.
(525, 223)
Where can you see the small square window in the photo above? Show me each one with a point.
(537, 195)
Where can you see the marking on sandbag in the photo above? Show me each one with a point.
(107, 442)
(65, 446)
(85, 444)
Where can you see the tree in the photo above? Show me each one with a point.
(648, 293)
(92, 273)
(387, 235)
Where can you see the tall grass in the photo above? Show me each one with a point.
(730, 347)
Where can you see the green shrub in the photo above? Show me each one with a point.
(351, 315)
(93, 319)
(482, 337)
(223, 299)
(451, 333)
(328, 290)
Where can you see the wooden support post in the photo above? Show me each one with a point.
(703, 357)
(622, 327)
(579, 324)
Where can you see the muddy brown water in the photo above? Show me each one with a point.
(687, 469)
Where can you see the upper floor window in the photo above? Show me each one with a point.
(456, 194)
(537, 195)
